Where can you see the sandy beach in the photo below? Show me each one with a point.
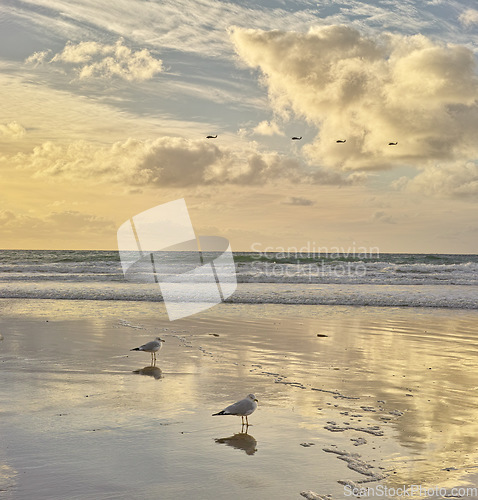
(82, 417)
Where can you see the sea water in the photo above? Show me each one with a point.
(423, 280)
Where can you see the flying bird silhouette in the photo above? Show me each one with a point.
(211, 136)
(341, 140)
(242, 408)
(296, 138)
(392, 143)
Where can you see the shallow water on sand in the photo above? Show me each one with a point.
(83, 417)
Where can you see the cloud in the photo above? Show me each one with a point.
(447, 180)
(268, 128)
(298, 201)
(469, 17)
(38, 58)
(12, 130)
(381, 216)
(369, 91)
(194, 26)
(65, 222)
(199, 26)
(95, 60)
(169, 162)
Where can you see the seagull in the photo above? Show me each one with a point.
(211, 136)
(242, 408)
(392, 143)
(296, 138)
(341, 140)
(153, 347)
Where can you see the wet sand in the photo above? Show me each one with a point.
(346, 394)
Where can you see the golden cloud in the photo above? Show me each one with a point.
(64, 222)
(369, 92)
(169, 162)
(444, 180)
(11, 130)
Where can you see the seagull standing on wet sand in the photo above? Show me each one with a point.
(242, 408)
(153, 347)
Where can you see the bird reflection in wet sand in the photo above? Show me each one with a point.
(150, 371)
(240, 441)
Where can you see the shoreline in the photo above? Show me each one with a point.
(451, 297)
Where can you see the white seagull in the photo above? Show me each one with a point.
(242, 408)
(153, 347)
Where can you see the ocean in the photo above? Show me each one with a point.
(388, 280)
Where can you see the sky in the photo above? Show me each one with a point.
(105, 109)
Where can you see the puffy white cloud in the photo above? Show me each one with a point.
(268, 128)
(370, 91)
(169, 162)
(12, 130)
(469, 17)
(82, 52)
(447, 180)
(38, 58)
(96, 60)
